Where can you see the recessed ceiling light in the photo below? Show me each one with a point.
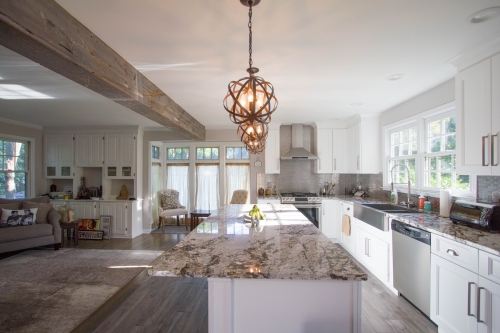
(356, 104)
(484, 15)
(15, 91)
(395, 77)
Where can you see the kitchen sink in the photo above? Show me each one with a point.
(373, 214)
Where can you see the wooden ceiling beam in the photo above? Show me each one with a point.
(43, 31)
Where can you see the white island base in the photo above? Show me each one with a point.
(283, 306)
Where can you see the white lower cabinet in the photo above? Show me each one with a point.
(84, 210)
(489, 306)
(348, 242)
(373, 252)
(331, 218)
(121, 218)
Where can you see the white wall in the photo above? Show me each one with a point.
(36, 134)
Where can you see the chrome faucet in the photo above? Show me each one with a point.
(409, 203)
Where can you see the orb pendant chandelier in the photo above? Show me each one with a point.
(250, 101)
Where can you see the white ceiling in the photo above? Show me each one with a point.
(320, 55)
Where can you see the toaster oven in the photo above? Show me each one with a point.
(479, 215)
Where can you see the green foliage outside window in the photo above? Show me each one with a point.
(13, 167)
(177, 153)
(207, 153)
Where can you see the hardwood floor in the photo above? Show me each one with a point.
(161, 304)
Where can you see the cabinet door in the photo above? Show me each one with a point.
(268, 201)
(88, 210)
(112, 149)
(127, 148)
(339, 150)
(120, 220)
(495, 115)
(51, 156)
(330, 213)
(453, 296)
(473, 98)
(81, 150)
(356, 148)
(349, 242)
(66, 161)
(324, 142)
(272, 152)
(95, 150)
(76, 208)
(489, 306)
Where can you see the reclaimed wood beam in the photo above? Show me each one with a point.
(43, 31)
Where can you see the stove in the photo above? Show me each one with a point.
(300, 197)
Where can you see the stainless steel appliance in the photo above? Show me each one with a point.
(476, 214)
(308, 204)
(412, 264)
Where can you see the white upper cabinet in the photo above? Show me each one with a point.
(478, 118)
(324, 150)
(59, 162)
(353, 145)
(120, 154)
(89, 150)
(363, 146)
(272, 152)
(339, 150)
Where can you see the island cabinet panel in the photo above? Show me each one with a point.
(453, 296)
(268, 201)
(272, 152)
(304, 306)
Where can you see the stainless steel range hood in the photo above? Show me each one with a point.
(298, 151)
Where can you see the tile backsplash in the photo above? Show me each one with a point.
(486, 185)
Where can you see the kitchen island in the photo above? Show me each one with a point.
(284, 276)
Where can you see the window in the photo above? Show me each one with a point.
(237, 153)
(178, 179)
(207, 153)
(155, 152)
(207, 186)
(403, 152)
(237, 178)
(440, 158)
(13, 169)
(177, 153)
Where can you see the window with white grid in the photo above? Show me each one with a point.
(403, 152)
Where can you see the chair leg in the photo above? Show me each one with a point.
(186, 221)
(162, 222)
(177, 217)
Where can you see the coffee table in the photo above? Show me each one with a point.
(68, 227)
(197, 213)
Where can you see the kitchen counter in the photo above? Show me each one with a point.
(286, 246)
(269, 197)
(442, 226)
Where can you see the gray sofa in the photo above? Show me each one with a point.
(39, 234)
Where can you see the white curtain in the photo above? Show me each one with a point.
(156, 185)
(207, 186)
(237, 178)
(178, 179)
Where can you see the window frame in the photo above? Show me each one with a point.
(421, 120)
(30, 163)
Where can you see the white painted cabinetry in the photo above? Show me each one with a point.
(324, 150)
(268, 201)
(119, 155)
(349, 242)
(272, 152)
(478, 118)
(89, 150)
(331, 217)
(362, 146)
(59, 162)
(465, 293)
(353, 149)
(339, 150)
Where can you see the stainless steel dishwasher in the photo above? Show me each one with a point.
(412, 264)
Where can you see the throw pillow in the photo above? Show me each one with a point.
(170, 200)
(13, 205)
(15, 217)
(43, 210)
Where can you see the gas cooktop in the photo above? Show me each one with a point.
(300, 197)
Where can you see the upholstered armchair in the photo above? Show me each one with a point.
(239, 197)
(164, 213)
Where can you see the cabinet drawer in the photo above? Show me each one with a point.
(347, 209)
(268, 201)
(489, 266)
(460, 254)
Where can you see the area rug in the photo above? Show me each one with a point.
(54, 291)
(172, 229)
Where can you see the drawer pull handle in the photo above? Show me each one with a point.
(468, 300)
(478, 314)
(452, 252)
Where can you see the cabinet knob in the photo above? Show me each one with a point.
(348, 208)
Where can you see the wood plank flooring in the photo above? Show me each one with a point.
(161, 304)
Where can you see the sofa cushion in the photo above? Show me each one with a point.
(12, 205)
(19, 233)
(43, 210)
(15, 217)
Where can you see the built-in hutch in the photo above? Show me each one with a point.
(104, 156)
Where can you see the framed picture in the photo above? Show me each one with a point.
(106, 225)
(88, 224)
(90, 234)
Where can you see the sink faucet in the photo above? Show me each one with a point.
(409, 203)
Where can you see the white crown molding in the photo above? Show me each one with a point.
(134, 129)
(20, 123)
(477, 53)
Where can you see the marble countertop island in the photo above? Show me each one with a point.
(285, 246)
(442, 226)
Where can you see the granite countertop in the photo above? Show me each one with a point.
(285, 246)
(442, 226)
